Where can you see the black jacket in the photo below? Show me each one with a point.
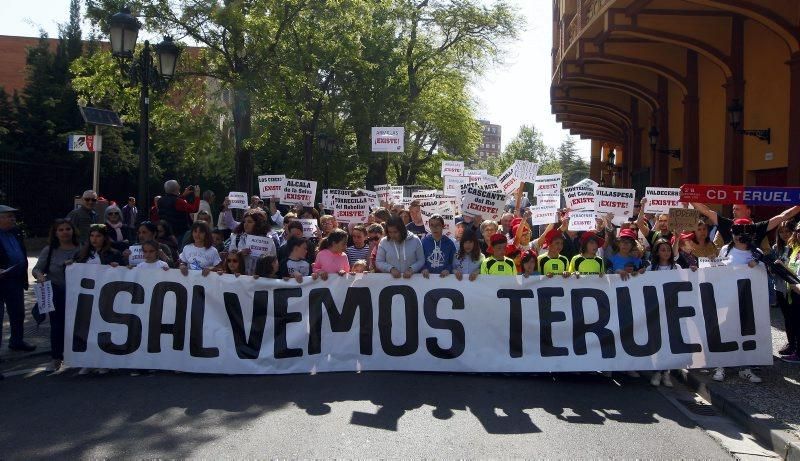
(4, 263)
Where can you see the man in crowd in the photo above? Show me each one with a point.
(129, 213)
(741, 211)
(175, 209)
(416, 226)
(13, 278)
(84, 216)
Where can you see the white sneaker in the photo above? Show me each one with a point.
(655, 380)
(719, 374)
(633, 374)
(84, 371)
(54, 365)
(749, 375)
(667, 379)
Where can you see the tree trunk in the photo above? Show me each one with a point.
(242, 122)
(308, 154)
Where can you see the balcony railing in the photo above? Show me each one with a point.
(587, 11)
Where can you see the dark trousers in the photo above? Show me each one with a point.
(791, 318)
(12, 299)
(57, 323)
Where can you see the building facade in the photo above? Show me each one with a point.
(491, 143)
(681, 91)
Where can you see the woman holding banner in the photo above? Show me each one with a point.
(400, 252)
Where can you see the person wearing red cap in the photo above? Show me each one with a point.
(521, 234)
(685, 246)
(529, 263)
(553, 262)
(741, 211)
(624, 262)
(498, 263)
(588, 262)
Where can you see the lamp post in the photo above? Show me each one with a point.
(124, 30)
(653, 134)
(326, 147)
(735, 115)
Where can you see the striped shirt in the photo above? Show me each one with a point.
(354, 254)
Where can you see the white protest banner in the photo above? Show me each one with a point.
(136, 256)
(661, 199)
(299, 192)
(238, 200)
(659, 320)
(549, 184)
(384, 192)
(332, 194)
(543, 214)
(260, 246)
(582, 221)
(309, 227)
(586, 183)
(525, 171)
(452, 168)
(475, 173)
(388, 138)
(508, 181)
(352, 209)
(618, 202)
(271, 186)
(579, 198)
(43, 292)
(452, 185)
(553, 201)
(713, 262)
(486, 204)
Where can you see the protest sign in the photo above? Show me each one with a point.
(423, 194)
(238, 200)
(681, 219)
(136, 256)
(299, 192)
(487, 204)
(384, 192)
(452, 185)
(397, 194)
(749, 195)
(271, 186)
(661, 199)
(447, 215)
(543, 214)
(373, 196)
(260, 246)
(452, 168)
(475, 173)
(582, 221)
(352, 209)
(713, 262)
(579, 198)
(553, 201)
(329, 196)
(240, 325)
(388, 138)
(618, 202)
(587, 183)
(309, 227)
(525, 171)
(508, 182)
(43, 293)
(549, 184)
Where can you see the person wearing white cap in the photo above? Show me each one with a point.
(13, 278)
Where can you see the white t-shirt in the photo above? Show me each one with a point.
(159, 264)
(198, 258)
(737, 256)
(93, 259)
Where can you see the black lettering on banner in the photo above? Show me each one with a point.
(626, 324)
(674, 315)
(196, 347)
(157, 327)
(711, 319)
(283, 318)
(247, 347)
(747, 318)
(411, 310)
(515, 298)
(83, 317)
(547, 317)
(133, 338)
(600, 328)
(357, 298)
(429, 305)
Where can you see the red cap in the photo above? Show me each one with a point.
(688, 235)
(627, 234)
(591, 235)
(515, 225)
(498, 238)
(742, 221)
(548, 237)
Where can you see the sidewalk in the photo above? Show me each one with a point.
(38, 336)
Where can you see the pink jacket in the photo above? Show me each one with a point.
(329, 262)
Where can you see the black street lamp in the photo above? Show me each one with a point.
(326, 147)
(653, 135)
(735, 115)
(124, 30)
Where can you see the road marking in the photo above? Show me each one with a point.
(27, 372)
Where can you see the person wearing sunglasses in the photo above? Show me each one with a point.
(119, 234)
(84, 216)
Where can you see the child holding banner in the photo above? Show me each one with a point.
(200, 255)
(254, 224)
(469, 258)
(400, 252)
(624, 262)
(498, 263)
(588, 262)
(529, 263)
(234, 264)
(150, 251)
(552, 262)
(439, 251)
(331, 258)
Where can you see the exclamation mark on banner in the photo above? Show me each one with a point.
(747, 319)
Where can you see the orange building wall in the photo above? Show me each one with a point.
(713, 117)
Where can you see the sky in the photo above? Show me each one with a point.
(512, 94)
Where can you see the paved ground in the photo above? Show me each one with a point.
(370, 415)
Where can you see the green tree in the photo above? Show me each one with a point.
(528, 145)
(574, 168)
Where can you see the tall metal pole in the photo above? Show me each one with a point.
(144, 132)
(96, 170)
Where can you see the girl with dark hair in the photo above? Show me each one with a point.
(61, 250)
(331, 257)
(703, 246)
(150, 250)
(164, 235)
(200, 255)
(146, 232)
(254, 224)
(234, 264)
(267, 266)
(662, 256)
(98, 250)
(400, 252)
(469, 257)
(588, 262)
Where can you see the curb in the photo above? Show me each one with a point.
(767, 429)
(17, 358)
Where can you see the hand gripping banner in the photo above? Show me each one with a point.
(121, 318)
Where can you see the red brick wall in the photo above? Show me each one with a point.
(13, 51)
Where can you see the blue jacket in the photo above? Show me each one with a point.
(443, 261)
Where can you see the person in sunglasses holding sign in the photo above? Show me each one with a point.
(84, 216)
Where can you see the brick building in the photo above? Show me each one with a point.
(490, 146)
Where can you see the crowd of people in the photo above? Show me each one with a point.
(186, 231)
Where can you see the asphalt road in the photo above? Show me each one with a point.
(369, 415)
